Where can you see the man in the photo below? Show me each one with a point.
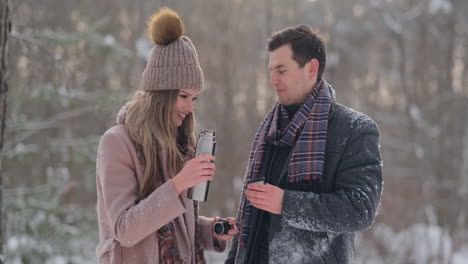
(319, 161)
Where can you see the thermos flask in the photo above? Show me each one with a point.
(205, 145)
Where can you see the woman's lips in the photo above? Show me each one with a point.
(181, 116)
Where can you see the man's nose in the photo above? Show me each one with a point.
(274, 81)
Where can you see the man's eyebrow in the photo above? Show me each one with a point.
(276, 67)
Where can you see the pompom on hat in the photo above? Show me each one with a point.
(173, 62)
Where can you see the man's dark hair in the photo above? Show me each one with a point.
(306, 44)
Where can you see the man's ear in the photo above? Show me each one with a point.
(313, 68)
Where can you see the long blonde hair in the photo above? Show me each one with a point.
(151, 125)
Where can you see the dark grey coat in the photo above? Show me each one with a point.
(319, 222)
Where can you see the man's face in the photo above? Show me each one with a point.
(291, 82)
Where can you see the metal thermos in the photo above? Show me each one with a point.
(205, 145)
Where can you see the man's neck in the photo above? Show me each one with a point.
(292, 109)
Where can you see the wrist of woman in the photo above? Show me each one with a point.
(177, 185)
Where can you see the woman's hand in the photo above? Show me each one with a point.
(231, 233)
(196, 170)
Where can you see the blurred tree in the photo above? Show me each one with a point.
(5, 28)
(72, 64)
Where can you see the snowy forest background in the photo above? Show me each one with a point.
(72, 64)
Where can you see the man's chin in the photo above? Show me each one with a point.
(284, 102)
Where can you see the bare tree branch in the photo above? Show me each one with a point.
(60, 63)
(38, 126)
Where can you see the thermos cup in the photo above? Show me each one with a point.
(222, 227)
(205, 145)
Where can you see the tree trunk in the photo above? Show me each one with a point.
(5, 27)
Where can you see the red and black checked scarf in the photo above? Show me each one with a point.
(308, 127)
(168, 250)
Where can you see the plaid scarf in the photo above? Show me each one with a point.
(168, 250)
(306, 131)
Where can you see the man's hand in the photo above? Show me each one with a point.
(266, 197)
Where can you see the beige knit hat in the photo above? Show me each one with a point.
(173, 63)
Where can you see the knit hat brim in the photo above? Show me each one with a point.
(187, 76)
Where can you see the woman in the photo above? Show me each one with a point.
(144, 165)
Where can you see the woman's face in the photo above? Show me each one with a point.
(185, 104)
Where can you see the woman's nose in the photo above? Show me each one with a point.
(190, 106)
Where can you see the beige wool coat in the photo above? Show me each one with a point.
(127, 229)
